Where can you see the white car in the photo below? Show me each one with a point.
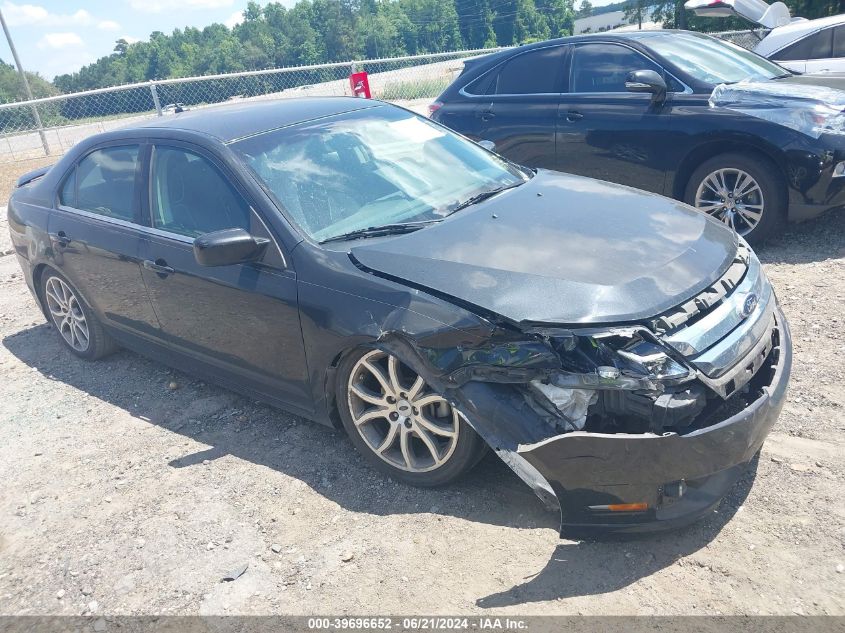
(804, 46)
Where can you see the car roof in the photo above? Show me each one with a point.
(586, 37)
(233, 121)
(789, 33)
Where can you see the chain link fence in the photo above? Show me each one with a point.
(747, 39)
(49, 126)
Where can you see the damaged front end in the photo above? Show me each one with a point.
(626, 428)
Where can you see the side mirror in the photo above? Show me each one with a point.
(490, 146)
(646, 81)
(227, 247)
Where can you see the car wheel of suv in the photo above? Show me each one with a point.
(74, 320)
(741, 191)
(400, 425)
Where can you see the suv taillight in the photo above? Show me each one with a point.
(434, 107)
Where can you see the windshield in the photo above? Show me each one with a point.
(370, 168)
(711, 60)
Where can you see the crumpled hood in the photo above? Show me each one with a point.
(562, 249)
(810, 104)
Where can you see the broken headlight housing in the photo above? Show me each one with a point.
(618, 380)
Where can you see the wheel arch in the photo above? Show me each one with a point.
(716, 147)
(330, 386)
(37, 274)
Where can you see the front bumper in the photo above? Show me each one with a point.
(589, 471)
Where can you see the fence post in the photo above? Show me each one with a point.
(35, 114)
(154, 92)
(40, 129)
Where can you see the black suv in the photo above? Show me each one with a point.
(644, 109)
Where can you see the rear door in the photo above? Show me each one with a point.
(606, 132)
(836, 63)
(241, 321)
(519, 106)
(95, 236)
(812, 53)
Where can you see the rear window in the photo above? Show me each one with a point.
(534, 72)
(67, 194)
(104, 183)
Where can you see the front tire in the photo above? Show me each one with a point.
(742, 191)
(74, 320)
(400, 425)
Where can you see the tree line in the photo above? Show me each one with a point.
(318, 31)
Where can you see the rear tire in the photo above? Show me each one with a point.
(399, 425)
(74, 320)
(742, 191)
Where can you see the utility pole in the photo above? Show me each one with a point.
(25, 85)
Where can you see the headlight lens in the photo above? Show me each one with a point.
(653, 360)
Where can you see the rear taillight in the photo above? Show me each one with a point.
(434, 107)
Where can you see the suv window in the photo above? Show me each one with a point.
(839, 41)
(531, 73)
(604, 67)
(189, 195)
(819, 45)
(105, 183)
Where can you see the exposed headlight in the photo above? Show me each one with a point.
(654, 361)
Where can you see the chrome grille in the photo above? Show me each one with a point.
(707, 299)
(720, 331)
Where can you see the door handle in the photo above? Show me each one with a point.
(573, 116)
(486, 115)
(158, 266)
(62, 239)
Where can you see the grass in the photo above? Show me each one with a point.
(419, 89)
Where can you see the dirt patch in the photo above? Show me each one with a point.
(10, 172)
(124, 496)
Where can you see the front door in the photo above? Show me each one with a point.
(606, 132)
(519, 107)
(240, 320)
(95, 238)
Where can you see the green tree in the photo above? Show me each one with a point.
(636, 12)
(585, 10)
(560, 16)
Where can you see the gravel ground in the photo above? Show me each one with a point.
(124, 496)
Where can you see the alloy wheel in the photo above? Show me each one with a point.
(732, 196)
(398, 416)
(67, 313)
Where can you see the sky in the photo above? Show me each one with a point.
(60, 36)
(54, 37)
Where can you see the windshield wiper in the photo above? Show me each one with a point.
(482, 196)
(378, 231)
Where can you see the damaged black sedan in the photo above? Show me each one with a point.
(359, 265)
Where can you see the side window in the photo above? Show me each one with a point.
(819, 45)
(839, 41)
(534, 72)
(67, 194)
(484, 85)
(106, 183)
(189, 196)
(604, 67)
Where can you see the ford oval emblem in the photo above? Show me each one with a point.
(748, 305)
